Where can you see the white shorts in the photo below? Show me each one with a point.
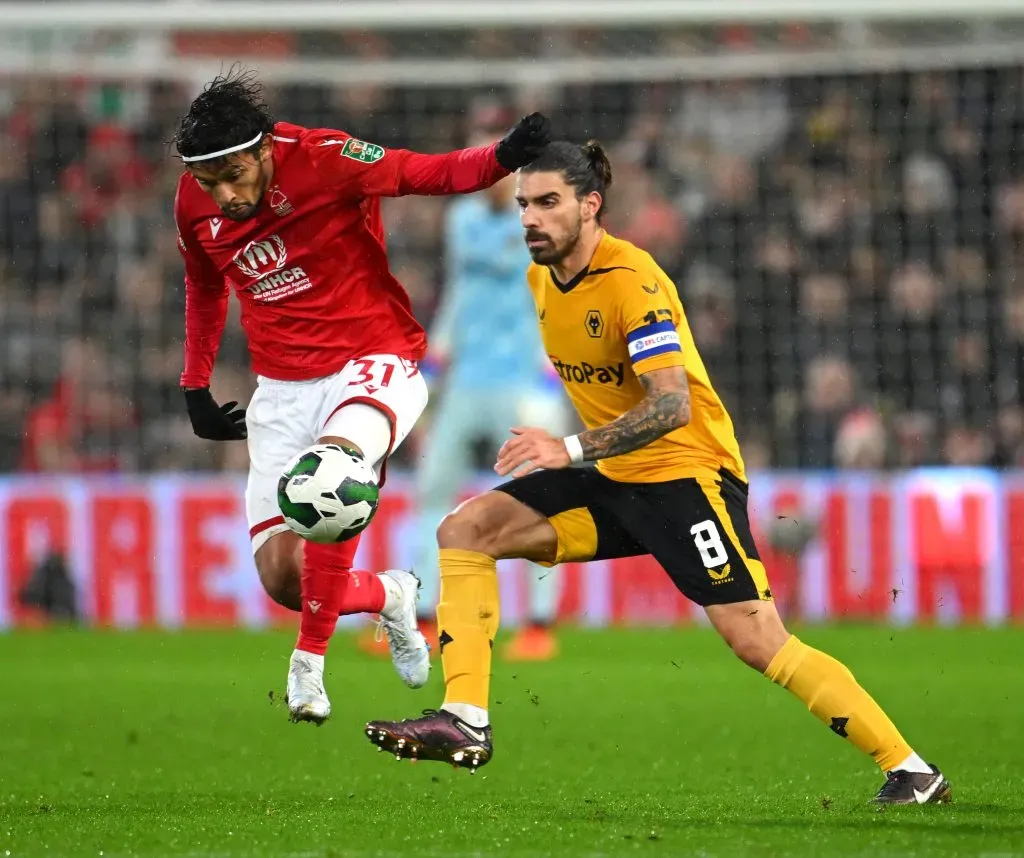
(285, 417)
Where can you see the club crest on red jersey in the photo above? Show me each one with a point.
(360, 150)
(279, 202)
(260, 258)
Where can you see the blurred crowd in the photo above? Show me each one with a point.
(849, 250)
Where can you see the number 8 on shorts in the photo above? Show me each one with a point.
(709, 543)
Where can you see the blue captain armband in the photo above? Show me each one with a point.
(653, 339)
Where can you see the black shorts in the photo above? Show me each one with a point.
(696, 528)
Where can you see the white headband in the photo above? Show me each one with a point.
(227, 151)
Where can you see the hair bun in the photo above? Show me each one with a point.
(598, 161)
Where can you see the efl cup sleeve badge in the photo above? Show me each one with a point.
(279, 202)
(359, 150)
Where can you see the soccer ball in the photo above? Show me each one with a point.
(328, 493)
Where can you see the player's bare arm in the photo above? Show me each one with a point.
(665, 407)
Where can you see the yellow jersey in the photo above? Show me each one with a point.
(617, 319)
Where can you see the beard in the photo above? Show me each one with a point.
(248, 210)
(550, 252)
(240, 214)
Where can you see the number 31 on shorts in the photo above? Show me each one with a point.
(709, 543)
(375, 374)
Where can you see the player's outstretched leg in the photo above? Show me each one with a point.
(470, 539)
(467, 616)
(756, 634)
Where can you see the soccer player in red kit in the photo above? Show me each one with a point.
(289, 219)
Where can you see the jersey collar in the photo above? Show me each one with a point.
(567, 287)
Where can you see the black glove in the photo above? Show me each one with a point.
(525, 142)
(212, 421)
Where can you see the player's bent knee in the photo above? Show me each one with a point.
(469, 527)
(753, 630)
(499, 526)
(279, 564)
(753, 652)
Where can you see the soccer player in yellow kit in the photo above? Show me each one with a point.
(669, 481)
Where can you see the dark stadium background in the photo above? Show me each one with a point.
(837, 188)
(848, 246)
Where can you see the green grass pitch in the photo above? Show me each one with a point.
(631, 743)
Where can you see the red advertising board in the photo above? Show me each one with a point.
(941, 546)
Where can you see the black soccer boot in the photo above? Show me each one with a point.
(438, 735)
(903, 787)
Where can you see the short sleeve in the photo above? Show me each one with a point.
(650, 318)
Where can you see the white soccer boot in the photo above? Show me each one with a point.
(410, 652)
(307, 700)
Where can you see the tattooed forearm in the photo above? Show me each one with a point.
(666, 407)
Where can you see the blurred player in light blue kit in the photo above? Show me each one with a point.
(492, 374)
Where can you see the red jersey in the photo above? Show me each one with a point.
(310, 268)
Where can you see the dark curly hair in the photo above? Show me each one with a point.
(585, 168)
(230, 110)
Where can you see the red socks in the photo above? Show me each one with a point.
(330, 589)
(364, 594)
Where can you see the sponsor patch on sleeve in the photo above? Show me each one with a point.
(360, 150)
(654, 339)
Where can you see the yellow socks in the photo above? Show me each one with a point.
(833, 695)
(467, 621)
